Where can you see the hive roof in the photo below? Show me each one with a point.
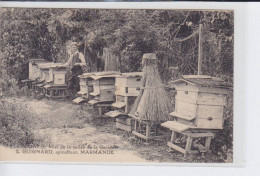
(203, 81)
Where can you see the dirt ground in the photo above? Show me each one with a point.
(63, 123)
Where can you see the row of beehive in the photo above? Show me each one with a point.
(108, 87)
(47, 78)
(199, 102)
(114, 89)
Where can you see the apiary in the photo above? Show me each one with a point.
(199, 108)
(86, 87)
(127, 89)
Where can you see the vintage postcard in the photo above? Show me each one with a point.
(117, 85)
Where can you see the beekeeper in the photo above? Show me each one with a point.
(74, 64)
(76, 57)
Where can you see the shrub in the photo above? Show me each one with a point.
(15, 121)
(223, 142)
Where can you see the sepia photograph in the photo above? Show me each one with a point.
(116, 85)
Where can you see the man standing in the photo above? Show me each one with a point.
(75, 63)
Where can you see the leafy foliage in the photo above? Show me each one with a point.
(43, 33)
(15, 121)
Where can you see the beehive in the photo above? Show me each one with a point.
(44, 72)
(86, 84)
(103, 87)
(86, 87)
(128, 84)
(33, 73)
(33, 68)
(200, 101)
(43, 76)
(127, 89)
(199, 112)
(54, 80)
(57, 74)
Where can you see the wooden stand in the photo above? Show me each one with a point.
(101, 107)
(189, 142)
(34, 83)
(190, 133)
(123, 121)
(125, 124)
(55, 92)
(39, 88)
(27, 83)
(148, 131)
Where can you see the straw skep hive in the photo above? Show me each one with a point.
(152, 104)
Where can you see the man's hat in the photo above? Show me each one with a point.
(151, 56)
(74, 44)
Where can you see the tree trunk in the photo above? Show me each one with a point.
(111, 60)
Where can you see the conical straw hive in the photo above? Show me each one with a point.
(152, 104)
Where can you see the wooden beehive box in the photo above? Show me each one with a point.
(86, 84)
(54, 78)
(103, 87)
(44, 72)
(57, 74)
(86, 87)
(200, 101)
(127, 89)
(33, 68)
(52, 73)
(128, 84)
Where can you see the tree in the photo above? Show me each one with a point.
(171, 34)
(23, 36)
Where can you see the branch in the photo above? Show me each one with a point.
(186, 38)
(178, 29)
